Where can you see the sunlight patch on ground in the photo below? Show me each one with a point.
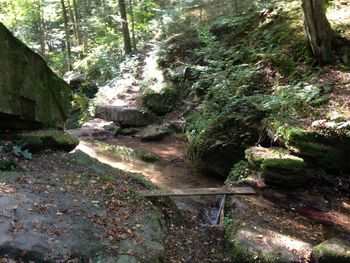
(339, 16)
(115, 91)
(152, 75)
(268, 240)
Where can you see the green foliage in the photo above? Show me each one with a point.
(79, 110)
(159, 101)
(289, 103)
(146, 156)
(238, 172)
(17, 151)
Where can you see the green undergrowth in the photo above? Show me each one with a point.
(246, 72)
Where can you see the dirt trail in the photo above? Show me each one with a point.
(187, 239)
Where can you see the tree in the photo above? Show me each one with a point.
(132, 24)
(318, 32)
(65, 20)
(86, 36)
(125, 28)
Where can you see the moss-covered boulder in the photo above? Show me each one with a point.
(280, 168)
(44, 140)
(332, 250)
(161, 100)
(257, 155)
(32, 95)
(329, 150)
(288, 172)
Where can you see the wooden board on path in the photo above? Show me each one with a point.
(199, 191)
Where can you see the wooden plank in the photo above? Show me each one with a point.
(198, 191)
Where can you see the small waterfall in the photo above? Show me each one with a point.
(212, 213)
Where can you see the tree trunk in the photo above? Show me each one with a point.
(41, 28)
(76, 18)
(65, 20)
(72, 18)
(125, 28)
(85, 13)
(318, 32)
(132, 25)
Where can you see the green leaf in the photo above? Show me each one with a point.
(17, 150)
(27, 155)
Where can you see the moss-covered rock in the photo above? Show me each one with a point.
(327, 150)
(287, 172)
(146, 156)
(153, 133)
(256, 155)
(32, 95)
(44, 140)
(332, 250)
(159, 101)
(278, 167)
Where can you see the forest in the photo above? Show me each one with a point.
(175, 131)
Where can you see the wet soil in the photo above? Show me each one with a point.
(190, 236)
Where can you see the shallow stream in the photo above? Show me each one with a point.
(170, 170)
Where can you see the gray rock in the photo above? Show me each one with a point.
(32, 95)
(153, 133)
(251, 238)
(99, 127)
(126, 116)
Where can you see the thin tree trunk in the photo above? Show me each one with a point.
(65, 20)
(76, 18)
(125, 28)
(41, 28)
(72, 18)
(132, 25)
(318, 31)
(85, 13)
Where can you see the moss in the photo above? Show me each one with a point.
(45, 139)
(333, 250)
(146, 156)
(257, 155)
(288, 172)
(328, 150)
(6, 165)
(32, 95)
(127, 131)
(160, 102)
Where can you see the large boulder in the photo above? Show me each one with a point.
(32, 95)
(160, 101)
(126, 116)
(41, 140)
(328, 150)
